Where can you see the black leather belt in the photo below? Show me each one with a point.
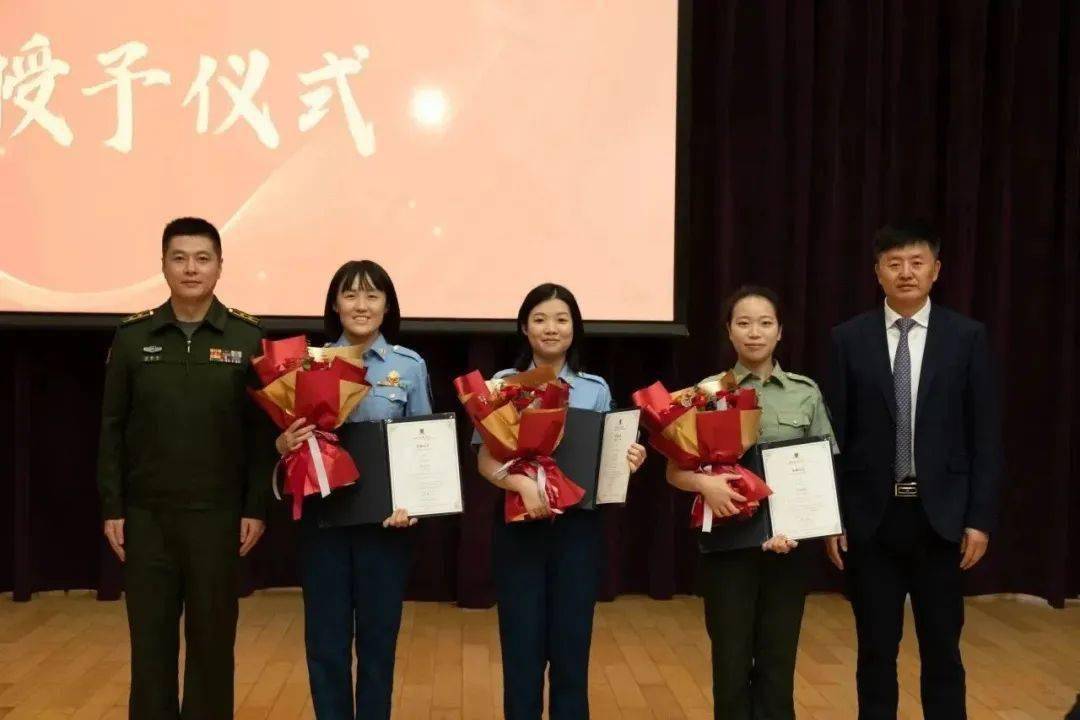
(906, 488)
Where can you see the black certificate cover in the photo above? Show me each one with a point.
(578, 455)
(368, 501)
(739, 534)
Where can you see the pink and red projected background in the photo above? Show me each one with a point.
(475, 148)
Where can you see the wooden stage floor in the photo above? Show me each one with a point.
(66, 656)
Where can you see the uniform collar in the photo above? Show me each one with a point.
(742, 373)
(216, 317)
(379, 348)
(921, 318)
(567, 375)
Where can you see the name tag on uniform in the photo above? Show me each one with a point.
(229, 357)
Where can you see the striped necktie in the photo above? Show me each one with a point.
(902, 388)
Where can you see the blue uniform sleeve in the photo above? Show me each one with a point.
(419, 395)
(604, 402)
(592, 393)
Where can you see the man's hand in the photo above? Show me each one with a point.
(833, 547)
(972, 547)
(251, 530)
(114, 533)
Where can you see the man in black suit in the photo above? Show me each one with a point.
(916, 415)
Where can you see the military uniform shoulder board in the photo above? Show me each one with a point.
(245, 317)
(594, 378)
(802, 379)
(406, 352)
(137, 317)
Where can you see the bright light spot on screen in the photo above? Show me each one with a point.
(412, 204)
(430, 108)
(261, 275)
(436, 231)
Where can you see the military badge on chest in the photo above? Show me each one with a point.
(152, 354)
(394, 379)
(228, 357)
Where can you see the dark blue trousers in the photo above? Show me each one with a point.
(546, 577)
(354, 585)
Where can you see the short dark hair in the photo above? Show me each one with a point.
(191, 226)
(904, 233)
(370, 275)
(753, 291)
(540, 294)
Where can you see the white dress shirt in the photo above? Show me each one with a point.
(916, 348)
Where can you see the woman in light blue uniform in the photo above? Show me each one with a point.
(547, 571)
(354, 577)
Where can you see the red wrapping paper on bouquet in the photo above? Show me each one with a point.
(671, 424)
(521, 421)
(324, 386)
(709, 441)
(723, 437)
(279, 357)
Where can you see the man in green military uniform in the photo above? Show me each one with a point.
(183, 471)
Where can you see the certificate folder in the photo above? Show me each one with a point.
(805, 502)
(737, 534)
(370, 499)
(580, 454)
(728, 534)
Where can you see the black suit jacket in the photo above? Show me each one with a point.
(958, 457)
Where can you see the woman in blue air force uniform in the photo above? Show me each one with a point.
(354, 577)
(547, 571)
